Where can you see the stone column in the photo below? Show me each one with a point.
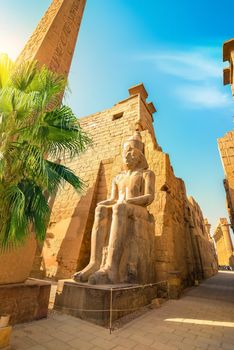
(226, 235)
(228, 55)
(207, 228)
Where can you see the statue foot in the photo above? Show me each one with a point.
(102, 277)
(78, 277)
(83, 275)
(99, 277)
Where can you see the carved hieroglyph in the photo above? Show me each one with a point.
(53, 41)
(122, 242)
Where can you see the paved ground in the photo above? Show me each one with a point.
(202, 319)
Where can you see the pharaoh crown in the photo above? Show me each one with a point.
(136, 141)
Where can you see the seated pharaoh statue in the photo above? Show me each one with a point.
(122, 240)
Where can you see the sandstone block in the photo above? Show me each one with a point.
(5, 334)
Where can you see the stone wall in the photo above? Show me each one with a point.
(178, 221)
(206, 261)
(224, 244)
(226, 149)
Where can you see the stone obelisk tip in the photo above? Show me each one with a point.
(53, 41)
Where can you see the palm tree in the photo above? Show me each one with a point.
(33, 135)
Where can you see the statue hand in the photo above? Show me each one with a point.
(143, 200)
(121, 200)
(107, 202)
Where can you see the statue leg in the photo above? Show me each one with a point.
(98, 237)
(109, 273)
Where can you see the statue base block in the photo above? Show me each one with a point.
(25, 302)
(93, 302)
(5, 334)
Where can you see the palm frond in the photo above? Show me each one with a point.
(49, 84)
(6, 100)
(58, 174)
(64, 133)
(37, 209)
(23, 74)
(6, 65)
(2, 166)
(31, 130)
(22, 104)
(15, 228)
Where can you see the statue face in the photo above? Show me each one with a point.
(131, 156)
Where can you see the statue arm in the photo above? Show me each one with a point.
(148, 197)
(114, 195)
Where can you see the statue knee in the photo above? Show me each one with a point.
(101, 211)
(119, 209)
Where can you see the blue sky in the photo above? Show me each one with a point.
(175, 49)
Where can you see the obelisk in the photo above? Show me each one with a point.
(53, 41)
(53, 44)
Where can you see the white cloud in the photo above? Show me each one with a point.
(196, 75)
(198, 64)
(203, 96)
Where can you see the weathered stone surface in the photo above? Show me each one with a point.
(174, 285)
(93, 303)
(122, 239)
(67, 245)
(228, 55)
(224, 244)
(226, 143)
(25, 301)
(202, 243)
(5, 334)
(226, 149)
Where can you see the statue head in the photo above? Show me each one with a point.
(133, 153)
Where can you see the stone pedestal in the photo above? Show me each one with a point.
(26, 301)
(5, 334)
(93, 302)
